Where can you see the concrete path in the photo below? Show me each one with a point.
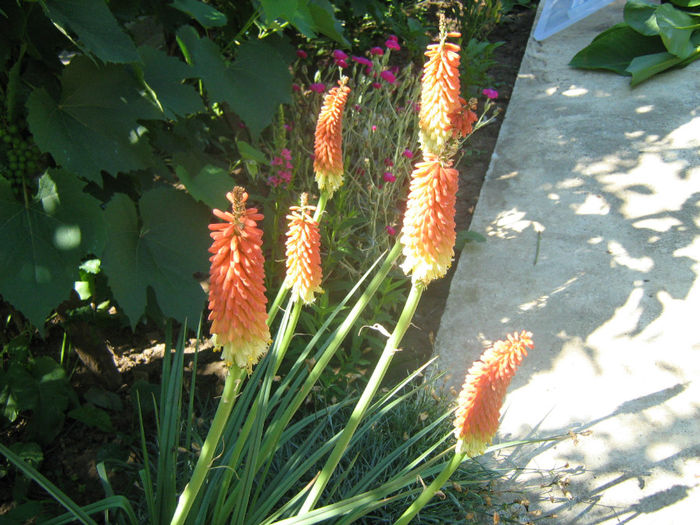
(591, 208)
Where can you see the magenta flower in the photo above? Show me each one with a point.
(393, 37)
(302, 54)
(390, 230)
(374, 128)
(341, 63)
(295, 87)
(407, 153)
(357, 107)
(286, 154)
(388, 162)
(490, 93)
(362, 60)
(317, 87)
(388, 76)
(392, 44)
(288, 127)
(389, 177)
(339, 55)
(376, 85)
(376, 51)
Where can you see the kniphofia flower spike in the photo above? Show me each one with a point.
(303, 253)
(439, 98)
(428, 234)
(479, 403)
(328, 144)
(236, 291)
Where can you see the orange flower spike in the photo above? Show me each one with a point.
(236, 290)
(428, 234)
(464, 118)
(328, 144)
(479, 403)
(439, 95)
(303, 253)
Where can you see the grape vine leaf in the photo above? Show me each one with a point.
(94, 24)
(164, 75)
(94, 124)
(162, 249)
(203, 13)
(254, 86)
(44, 242)
(208, 184)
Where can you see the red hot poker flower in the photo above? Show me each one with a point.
(303, 253)
(439, 95)
(428, 234)
(328, 144)
(236, 291)
(479, 403)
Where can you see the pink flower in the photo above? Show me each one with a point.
(394, 70)
(357, 107)
(302, 54)
(388, 162)
(376, 51)
(339, 55)
(390, 230)
(490, 93)
(376, 85)
(388, 76)
(393, 37)
(286, 154)
(374, 128)
(288, 127)
(389, 177)
(341, 63)
(362, 60)
(392, 44)
(317, 87)
(407, 153)
(295, 87)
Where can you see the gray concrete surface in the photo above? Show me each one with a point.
(591, 209)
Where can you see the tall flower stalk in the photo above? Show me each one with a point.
(328, 143)
(478, 408)
(237, 311)
(303, 253)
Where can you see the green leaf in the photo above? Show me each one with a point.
(103, 398)
(640, 15)
(23, 391)
(164, 75)
(209, 185)
(55, 395)
(323, 14)
(248, 152)
(98, 31)
(254, 86)
(201, 12)
(44, 243)
(161, 251)
(645, 67)
(296, 12)
(676, 28)
(686, 3)
(465, 236)
(94, 125)
(93, 417)
(29, 452)
(614, 49)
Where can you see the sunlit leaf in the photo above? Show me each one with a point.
(201, 12)
(44, 242)
(93, 126)
(640, 15)
(208, 185)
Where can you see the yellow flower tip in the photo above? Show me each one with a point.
(303, 251)
(440, 98)
(428, 234)
(479, 402)
(236, 291)
(328, 143)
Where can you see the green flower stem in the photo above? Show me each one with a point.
(228, 398)
(279, 424)
(321, 206)
(431, 489)
(370, 390)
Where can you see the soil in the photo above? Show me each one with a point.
(70, 460)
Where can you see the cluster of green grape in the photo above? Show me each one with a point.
(20, 159)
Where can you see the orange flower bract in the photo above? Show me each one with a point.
(236, 291)
(479, 403)
(328, 144)
(439, 98)
(428, 234)
(303, 253)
